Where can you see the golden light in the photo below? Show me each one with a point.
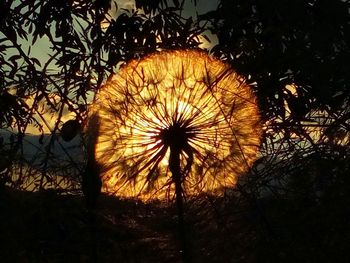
(182, 100)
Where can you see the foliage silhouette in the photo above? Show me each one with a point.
(282, 42)
(295, 54)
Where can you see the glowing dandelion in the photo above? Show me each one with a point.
(175, 114)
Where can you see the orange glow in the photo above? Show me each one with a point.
(147, 96)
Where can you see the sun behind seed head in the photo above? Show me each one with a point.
(183, 98)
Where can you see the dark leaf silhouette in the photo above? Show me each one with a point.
(56, 56)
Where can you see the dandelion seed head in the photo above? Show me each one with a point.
(184, 99)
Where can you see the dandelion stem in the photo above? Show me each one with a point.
(174, 165)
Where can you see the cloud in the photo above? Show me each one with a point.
(46, 116)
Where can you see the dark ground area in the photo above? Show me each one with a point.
(47, 227)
